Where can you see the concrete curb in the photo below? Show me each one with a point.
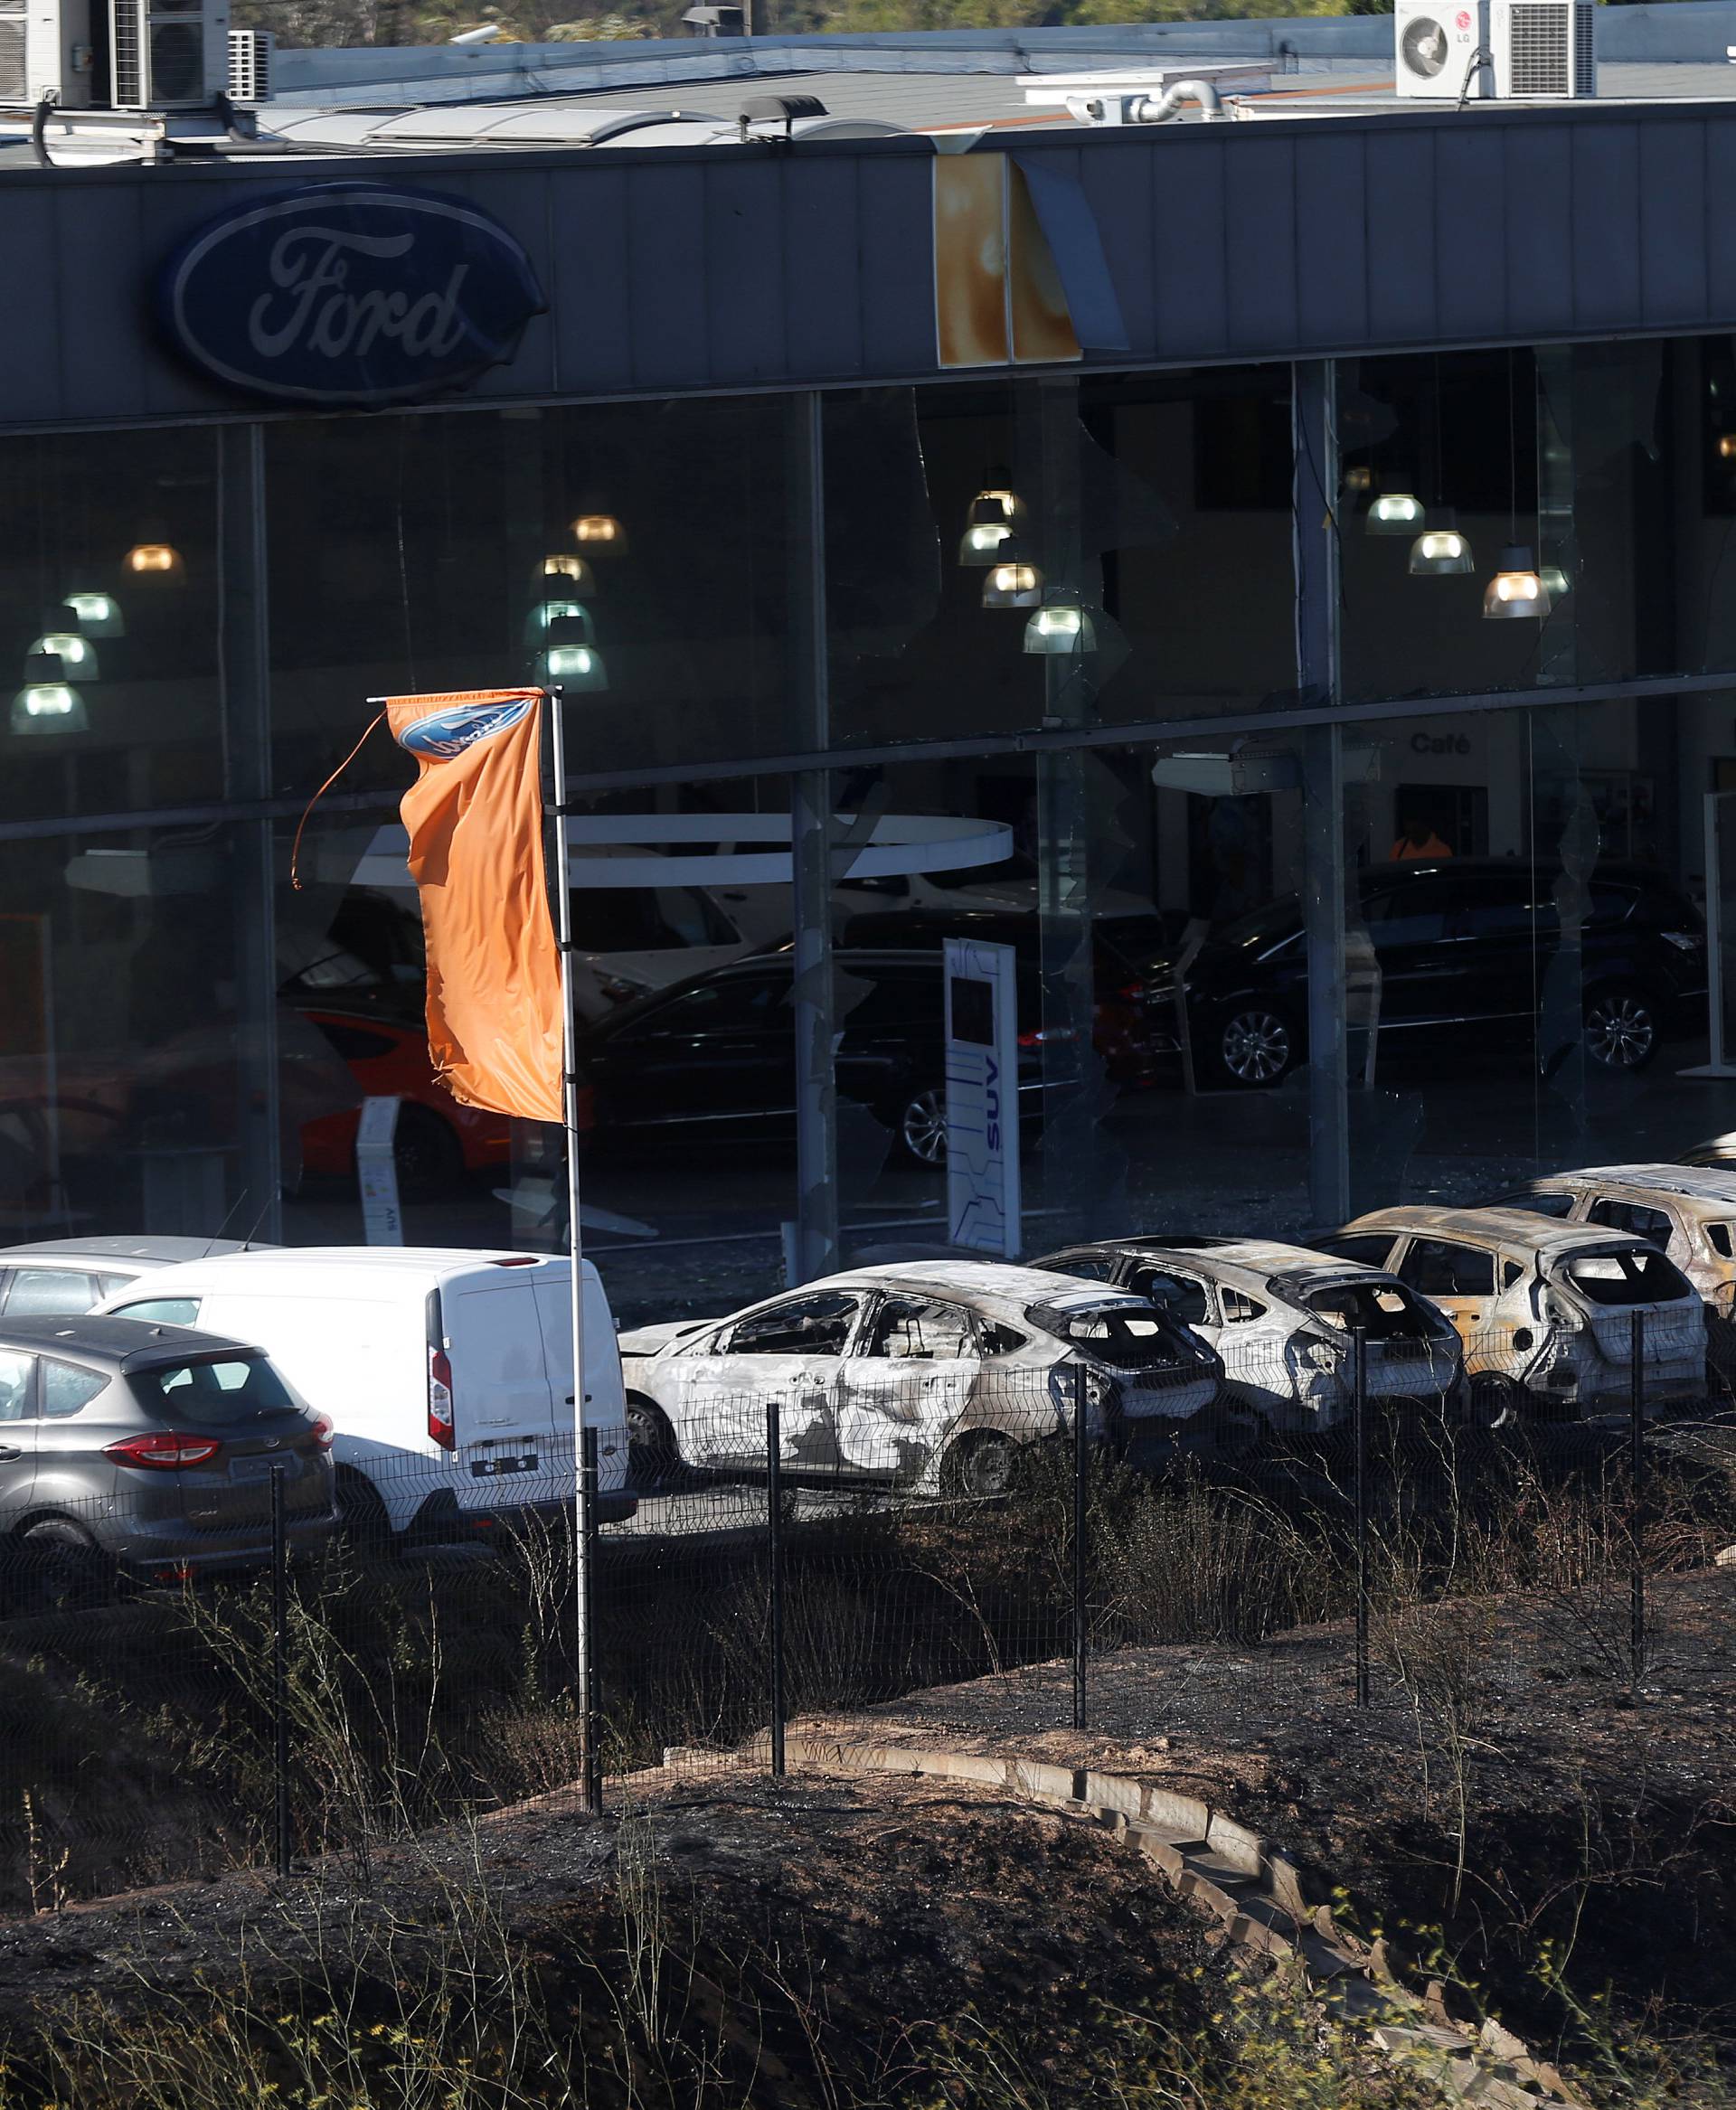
(1265, 1901)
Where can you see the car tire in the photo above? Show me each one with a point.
(652, 1455)
(426, 1156)
(919, 1125)
(1255, 1046)
(59, 1568)
(1621, 1027)
(1495, 1402)
(361, 1517)
(981, 1466)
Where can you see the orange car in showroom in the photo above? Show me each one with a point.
(439, 1143)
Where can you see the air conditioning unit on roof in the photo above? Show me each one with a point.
(167, 55)
(1544, 48)
(1441, 49)
(250, 65)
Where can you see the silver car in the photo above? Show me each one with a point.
(141, 1452)
(928, 1375)
(1282, 1319)
(1545, 1310)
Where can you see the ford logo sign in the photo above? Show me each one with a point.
(349, 294)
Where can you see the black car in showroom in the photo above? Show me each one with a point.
(716, 1055)
(1451, 953)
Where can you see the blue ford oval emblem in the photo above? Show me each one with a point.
(349, 293)
(445, 733)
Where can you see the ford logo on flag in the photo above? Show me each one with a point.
(349, 294)
(445, 733)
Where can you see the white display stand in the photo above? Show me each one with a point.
(376, 1172)
(1720, 806)
(983, 1203)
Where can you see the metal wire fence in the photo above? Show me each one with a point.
(388, 1642)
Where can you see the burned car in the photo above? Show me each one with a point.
(928, 1375)
(1282, 1319)
(1545, 1310)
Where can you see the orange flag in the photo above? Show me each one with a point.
(475, 818)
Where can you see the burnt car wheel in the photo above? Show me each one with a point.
(1620, 1029)
(1496, 1402)
(922, 1128)
(981, 1465)
(1256, 1046)
(651, 1452)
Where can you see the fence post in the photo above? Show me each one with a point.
(1359, 1427)
(775, 1554)
(1636, 1473)
(590, 1757)
(1081, 1481)
(280, 1663)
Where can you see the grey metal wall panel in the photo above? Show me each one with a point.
(103, 227)
(1260, 220)
(1331, 190)
(1190, 248)
(666, 237)
(32, 359)
(168, 215)
(518, 199)
(592, 281)
(823, 275)
(1605, 225)
(1720, 226)
(1400, 208)
(1124, 211)
(1674, 203)
(1470, 199)
(897, 268)
(1538, 240)
(744, 271)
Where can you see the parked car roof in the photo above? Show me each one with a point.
(1241, 1263)
(1493, 1227)
(147, 1252)
(978, 1282)
(117, 1345)
(426, 1263)
(1702, 1183)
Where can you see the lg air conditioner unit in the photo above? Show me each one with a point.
(250, 65)
(167, 55)
(1544, 48)
(1441, 49)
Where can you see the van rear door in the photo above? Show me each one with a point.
(605, 1401)
(502, 1412)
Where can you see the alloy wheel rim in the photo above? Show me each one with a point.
(989, 1469)
(1256, 1047)
(1620, 1031)
(925, 1129)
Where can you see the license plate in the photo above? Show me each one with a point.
(243, 1471)
(508, 1462)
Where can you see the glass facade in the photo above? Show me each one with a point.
(1051, 620)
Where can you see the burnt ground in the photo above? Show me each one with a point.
(1599, 1819)
(868, 1908)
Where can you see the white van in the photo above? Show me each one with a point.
(448, 1375)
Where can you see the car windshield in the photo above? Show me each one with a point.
(1260, 926)
(216, 1390)
(1382, 1310)
(1128, 1334)
(1633, 1276)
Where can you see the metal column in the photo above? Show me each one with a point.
(811, 826)
(245, 683)
(1313, 529)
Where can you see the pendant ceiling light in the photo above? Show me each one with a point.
(1394, 513)
(46, 703)
(571, 657)
(983, 543)
(77, 655)
(561, 572)
(1018, 585)
(1061, 626)
(539, 625)
(97, 615)
(1517, 590)
(1555, 582)
(600, 532)
(159, 563)
(994, 515)
(1440, 552)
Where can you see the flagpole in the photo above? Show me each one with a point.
(584, 1455)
